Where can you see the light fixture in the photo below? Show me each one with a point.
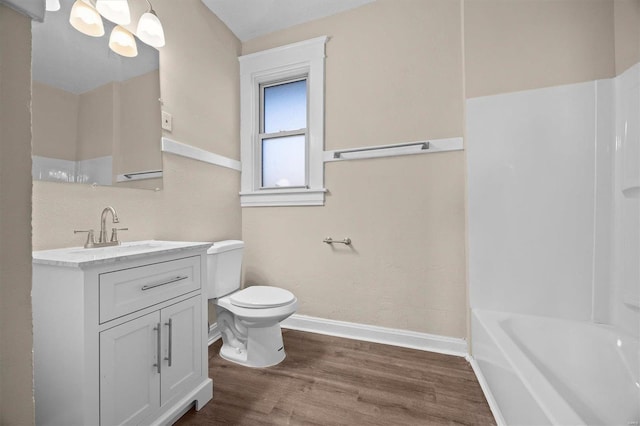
(53, 5)
(115, 10)
(150, 28)
(86, 19)
(123, 42)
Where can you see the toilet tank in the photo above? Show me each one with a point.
(224, 267)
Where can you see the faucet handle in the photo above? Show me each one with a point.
(114, 234)
(90, 239)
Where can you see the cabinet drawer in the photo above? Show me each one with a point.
(129, 290)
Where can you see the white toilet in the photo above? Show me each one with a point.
(248, 319)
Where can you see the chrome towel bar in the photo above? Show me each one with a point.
(346, 241)
(422, 145)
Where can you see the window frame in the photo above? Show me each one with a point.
(282, 64)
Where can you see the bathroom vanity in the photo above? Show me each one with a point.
(120, 333)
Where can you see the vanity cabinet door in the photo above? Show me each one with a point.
(129, 372)
(182, 347)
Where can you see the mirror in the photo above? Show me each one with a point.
(95, 114)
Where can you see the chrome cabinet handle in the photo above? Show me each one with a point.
(170, 325)
(172, 280)
(158, 330)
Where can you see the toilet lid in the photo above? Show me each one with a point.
(261, 296)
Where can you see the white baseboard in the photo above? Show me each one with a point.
(493, 404)
(368, 333)
(214, 333)
(375, 334)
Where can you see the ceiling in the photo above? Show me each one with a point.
(253, 18)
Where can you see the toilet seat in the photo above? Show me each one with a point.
(261, 297)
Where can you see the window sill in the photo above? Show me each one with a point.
(283, 197)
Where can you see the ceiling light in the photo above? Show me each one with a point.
(122, 42)
(150, 28)
(115, 10)
(53, 5)
(86, 19)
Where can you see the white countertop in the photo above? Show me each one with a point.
(80, 257)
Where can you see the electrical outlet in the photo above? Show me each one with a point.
(167, 121)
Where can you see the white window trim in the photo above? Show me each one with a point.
(292, 60)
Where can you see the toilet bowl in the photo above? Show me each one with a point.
(248, 319)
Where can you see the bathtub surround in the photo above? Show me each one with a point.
(624, 290)
(531, 248)
(554, 232)
(532, 201)
(546, 370)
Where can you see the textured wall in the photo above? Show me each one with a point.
(55, 122)
(627, 33)
(393, 74)
(16, 335)
(528, 44)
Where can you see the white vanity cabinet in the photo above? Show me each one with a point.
(120, 338)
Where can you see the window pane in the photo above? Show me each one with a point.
(285, 107)
(283, 161)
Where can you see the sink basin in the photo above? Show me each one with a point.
(78, 256)
(124, 248)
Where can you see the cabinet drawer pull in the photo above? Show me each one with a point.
(158, 329)
(172, 280)
(170, 325)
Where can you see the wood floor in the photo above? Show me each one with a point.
(332, 381)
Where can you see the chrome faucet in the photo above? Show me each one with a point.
(102, 239)
(103, 223)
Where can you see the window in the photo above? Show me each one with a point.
(283, 134)
(282, 125)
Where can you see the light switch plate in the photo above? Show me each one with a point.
(167, 121)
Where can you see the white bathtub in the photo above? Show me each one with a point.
(542, 371)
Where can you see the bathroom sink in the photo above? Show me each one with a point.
(78, 256)
(124, 248)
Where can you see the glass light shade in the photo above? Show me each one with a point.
(53, 5)
(115, 10)
(86, 19)
(150, 29)
(122, 42)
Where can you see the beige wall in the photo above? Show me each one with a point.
(527, 44)
(120, 119)
(55, 122)
(199, 85)
(96, 126)
(137, 145)
(627, 33)
(16, 335)
(393, 74)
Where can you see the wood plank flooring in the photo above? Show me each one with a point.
(333, 381)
